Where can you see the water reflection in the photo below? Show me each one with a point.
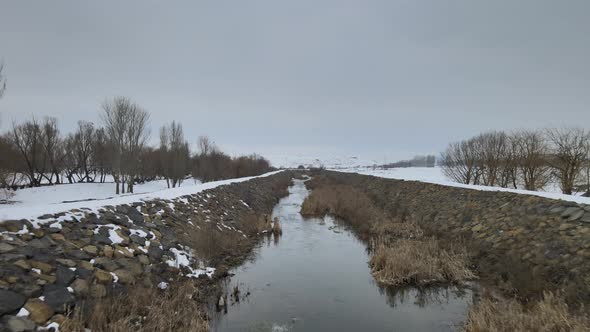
(316, 278)
(422, 297)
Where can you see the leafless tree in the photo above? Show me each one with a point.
(205, 145)
(11, 165)
(102, 153)
(459, 162)
(83, 140)
(569, 150)
(53, 148)
(126, 125)
(174, 153)
(27, 138)
(531, 155)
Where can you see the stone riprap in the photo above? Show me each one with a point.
(50, 264)
(519, 242)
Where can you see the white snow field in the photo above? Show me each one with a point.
(32, 203)
(435, 175)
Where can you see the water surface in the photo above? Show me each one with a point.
(316, 278)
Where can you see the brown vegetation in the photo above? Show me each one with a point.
(344, 202)
(144, 310)
(419, 262)
(401, 254)
(549, 314)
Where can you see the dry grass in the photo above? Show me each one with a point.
(402, 255)
(346, 203)
(419, 262)
(143, 310)
(209, 243)
(550, 314)
(256, 224)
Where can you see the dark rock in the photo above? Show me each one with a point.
(106, 263)
(576, 215)
(155, 253)
(101, 239)
(137, 239)
(78, 254)
(58, 297)
(10, 301)
(135, 216)
(84, 273)
(570, 211)
(64, 276)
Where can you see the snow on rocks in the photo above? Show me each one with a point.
(61, 257)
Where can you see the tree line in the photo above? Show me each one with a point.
(529, 159)
(35, 152)
(417, 161)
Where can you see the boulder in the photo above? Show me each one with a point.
(102, 276)
(91, 250)
(83, 273)
(125, 277)
(39, 311)
(137, 239)
(108, 251)
(64, 276)
(10, 301)
(66, 262)
(23, 264)
(155, 253)
(106, 263)
(80, 287)
(78, 254)
(5, 247)
(58, 297)
(19, 324)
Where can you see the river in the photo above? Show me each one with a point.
(316, 278)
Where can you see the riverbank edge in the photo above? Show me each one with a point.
(92, 255)
(520, 245)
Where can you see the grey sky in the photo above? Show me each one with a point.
(374, 79)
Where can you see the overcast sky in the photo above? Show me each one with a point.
(374, 79)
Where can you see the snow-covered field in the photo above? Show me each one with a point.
(435, 175)
(34, 202)
(83, 191)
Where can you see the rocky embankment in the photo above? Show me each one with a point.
(50, 264)
(522, 244)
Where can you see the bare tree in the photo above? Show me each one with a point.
(27, 138)
(126, 125)
(53, 148)
(83, 140)
(174, 153)
(531, 154)
(205, 145)
(459, 162)
(102, 151)
(569, 147)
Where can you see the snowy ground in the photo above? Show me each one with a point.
(34, 202)
(82, 191)
(435, 175)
